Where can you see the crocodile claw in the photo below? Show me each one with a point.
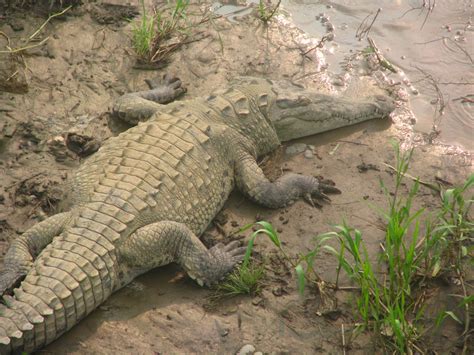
(320, 194)
(225, 258)
(329, 189)
(166, 89)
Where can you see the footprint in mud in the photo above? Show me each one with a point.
(110, 13)
(187, 326)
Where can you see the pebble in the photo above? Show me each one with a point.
(247, 349)
(257, 300)
(329, 27)
(296, 148)
(308, 154)
(277, 291)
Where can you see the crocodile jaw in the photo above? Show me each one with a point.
(306, 113)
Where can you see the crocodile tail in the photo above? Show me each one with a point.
(70, 278)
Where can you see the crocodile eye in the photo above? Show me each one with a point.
(293, 102)
(284, 103)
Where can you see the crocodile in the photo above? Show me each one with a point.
(144, 198)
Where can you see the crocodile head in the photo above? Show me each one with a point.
(297, 112)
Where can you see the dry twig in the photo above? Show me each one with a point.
(427, 5)
(364, 29)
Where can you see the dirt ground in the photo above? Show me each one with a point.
(68, 84)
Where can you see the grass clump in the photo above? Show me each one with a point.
(160, 32)
(245, 280)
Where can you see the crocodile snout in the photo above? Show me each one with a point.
(385, 104)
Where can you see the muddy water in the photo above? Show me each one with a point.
(435, 52)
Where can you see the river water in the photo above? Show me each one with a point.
(433, 48)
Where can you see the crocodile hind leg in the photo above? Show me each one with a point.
(164, 242)
(251, 181)
(24, 249)
(139, 106)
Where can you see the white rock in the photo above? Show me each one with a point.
(308, 154)
(296, 148)
(247, 349)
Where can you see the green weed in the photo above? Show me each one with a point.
(151, 33)
(414, 248)
(245, 280)
(304, 274)
(143, 33)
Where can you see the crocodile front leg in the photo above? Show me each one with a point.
(251, 181)
(24, 249)
(164, 242)
(140, 106)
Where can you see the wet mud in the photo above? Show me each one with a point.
(60, 114)
(429, 42)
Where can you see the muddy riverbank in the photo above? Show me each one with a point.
(68, 85)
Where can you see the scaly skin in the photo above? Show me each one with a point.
(144, 198)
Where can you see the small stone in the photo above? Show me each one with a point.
(247, 349)
(330, 36)
(296, 148)
(279, 230)
(257, 300)
(277, 291)
(223, 331)
(308, 154)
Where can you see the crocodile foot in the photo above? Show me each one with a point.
(165, 90)
(225, 258)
